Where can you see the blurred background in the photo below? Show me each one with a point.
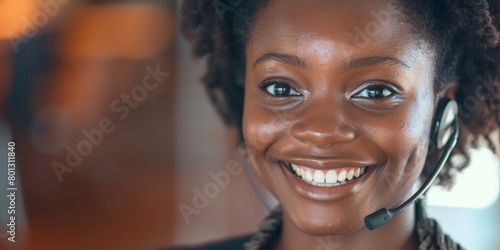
(118, 147)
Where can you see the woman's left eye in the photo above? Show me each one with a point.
(376, 91)
(280, 89)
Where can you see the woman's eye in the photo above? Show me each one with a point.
(281, 89)
(376, 91)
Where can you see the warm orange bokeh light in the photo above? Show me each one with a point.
(14, 15)
(119, 30)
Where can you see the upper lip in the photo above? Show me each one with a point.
(330, 164)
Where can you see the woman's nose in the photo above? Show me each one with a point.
(323, 127)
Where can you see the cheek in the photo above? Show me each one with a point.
(415, 137)
(416, 129)
(260, 128)
(407, 142)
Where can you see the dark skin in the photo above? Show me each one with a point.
(341, 104)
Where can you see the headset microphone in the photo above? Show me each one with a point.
(445, 134)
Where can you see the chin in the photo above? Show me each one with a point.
(321, 220)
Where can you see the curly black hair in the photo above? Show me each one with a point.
(465, 34)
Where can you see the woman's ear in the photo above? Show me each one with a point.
(449, 91)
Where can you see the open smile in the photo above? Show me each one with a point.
(327, 178)
(326, 184)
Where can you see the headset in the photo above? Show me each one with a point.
(444, 135)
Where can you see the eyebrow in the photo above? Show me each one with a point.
(284, 58)
(355, 63)
(375, 60)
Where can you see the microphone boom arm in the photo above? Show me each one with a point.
(384, 215)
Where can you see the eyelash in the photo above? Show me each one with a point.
(266, 84)
(386, 86)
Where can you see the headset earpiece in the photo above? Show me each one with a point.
(444, 135)
(446, 113)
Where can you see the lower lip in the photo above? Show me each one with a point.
(325, 193)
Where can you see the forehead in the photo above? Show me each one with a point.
(324, 29)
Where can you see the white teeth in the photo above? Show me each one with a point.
(350, 174)
(357, 172)
(331, 176)
(309, 175)
(298, 170)
(319, 176)
(342, 175)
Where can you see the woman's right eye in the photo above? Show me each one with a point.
(280, 89)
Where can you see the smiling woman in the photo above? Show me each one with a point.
(338, 126)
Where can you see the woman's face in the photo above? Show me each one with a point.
(340, 94)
